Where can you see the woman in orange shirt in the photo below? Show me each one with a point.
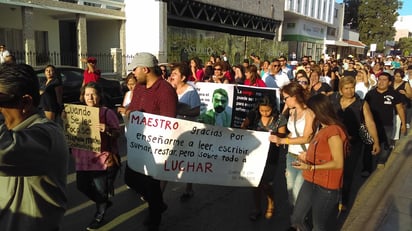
(322, 167)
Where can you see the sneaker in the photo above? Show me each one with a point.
(98, 217)
(186, 196)
(365, 173)
(95, 224)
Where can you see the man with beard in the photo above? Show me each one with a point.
(218, 115)
(154, 95)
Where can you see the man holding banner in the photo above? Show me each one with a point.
(155, 95)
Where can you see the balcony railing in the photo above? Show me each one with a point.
(104, 4)
(105, 61)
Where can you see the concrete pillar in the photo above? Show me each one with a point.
(122, 38)
(162, 32)
(117, 60)
(28, 36)
(81, 29)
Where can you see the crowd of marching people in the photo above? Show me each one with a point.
(338, 113)
(334, 116)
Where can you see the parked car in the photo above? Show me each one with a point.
(72, 78)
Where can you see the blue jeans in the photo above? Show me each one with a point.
(294, 178)
(322, 202)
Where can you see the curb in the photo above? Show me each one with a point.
(374, 199)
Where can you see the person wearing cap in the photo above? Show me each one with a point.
(3, 53)
(33, 156)
(154, 95)
(91, 73)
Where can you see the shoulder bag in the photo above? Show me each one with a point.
(363, 130)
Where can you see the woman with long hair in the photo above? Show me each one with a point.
(405, 91)
(219, 73)
(239, 74)
(303, 80)
(322, 167)
(265, 118)
(253, 78)
(196, 71)
(362, 83)
(51, 94)
(131, 82)
(318, 87)
(327, 75)
(300, 127)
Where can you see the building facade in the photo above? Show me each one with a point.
(184, 29)
(403, 27)
(315, 28)
(40, 32)
(61, 32)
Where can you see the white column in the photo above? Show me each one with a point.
(146, 32)
(81, 28)
(28, 36)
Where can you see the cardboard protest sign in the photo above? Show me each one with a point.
(78, 127)
(185, 151)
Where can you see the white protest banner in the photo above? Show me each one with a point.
(179, 150)
(78, 126)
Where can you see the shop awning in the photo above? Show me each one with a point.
(356, 44)
(336, 43)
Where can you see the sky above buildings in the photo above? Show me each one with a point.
(406, 9)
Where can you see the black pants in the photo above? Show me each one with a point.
(94, 184)
(351, 162)
(149, 188)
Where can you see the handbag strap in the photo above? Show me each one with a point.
(109, 140)
(295, 114)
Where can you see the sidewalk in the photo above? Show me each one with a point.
(385, 200)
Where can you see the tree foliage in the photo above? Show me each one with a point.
(405, 44)
(374, 19)
(351, 13)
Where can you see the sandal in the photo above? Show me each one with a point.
(186, 196)
(254, 215)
